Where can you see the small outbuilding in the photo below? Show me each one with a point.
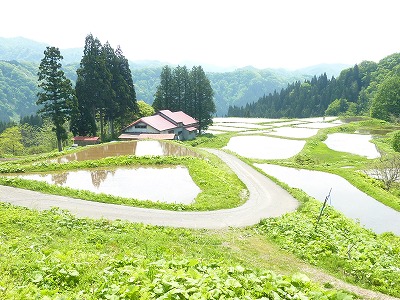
(165, 124)
(86, 140)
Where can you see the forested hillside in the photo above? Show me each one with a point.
(18, 86)
(351, 93)
(248, 84)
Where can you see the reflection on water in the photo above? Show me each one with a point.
(352, 143)
(344, 197)
(169, 184)
(263, 147)
(138, 148)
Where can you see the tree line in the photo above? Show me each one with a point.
(104, 92)
(366, 89)
(189, 91)
(104, 96)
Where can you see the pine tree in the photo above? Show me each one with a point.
(57, 97)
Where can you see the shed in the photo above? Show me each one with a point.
(86, 140)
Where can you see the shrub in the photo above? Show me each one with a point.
(396, 141)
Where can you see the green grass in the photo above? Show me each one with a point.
(210, 140)
(338, 245)
(53, 255)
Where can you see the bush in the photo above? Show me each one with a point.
(396, 141)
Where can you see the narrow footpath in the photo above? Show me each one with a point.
(266, 199)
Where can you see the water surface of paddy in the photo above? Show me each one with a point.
(164, 184)
(352, 143)
(264, 147)
(138, 148)
(294, 132)
(345, 197)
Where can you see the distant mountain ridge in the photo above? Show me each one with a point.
(20, 58)
(23, 49)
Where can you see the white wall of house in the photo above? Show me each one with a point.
(141, 128)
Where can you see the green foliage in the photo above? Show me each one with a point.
(209, 140)
(339, 245)
(386, 103)
(396, 141)
(11, 141)
(104, 88)
(56, 97)
(358, 85)
(18, 89)
(145, 110)
(341, 107)
(53, 255)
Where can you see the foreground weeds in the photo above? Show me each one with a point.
(338, 245)
(53, 255)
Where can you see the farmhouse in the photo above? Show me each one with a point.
(85, 140)
(165, 125)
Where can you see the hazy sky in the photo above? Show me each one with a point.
(263, 33)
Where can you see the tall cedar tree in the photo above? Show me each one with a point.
(190, 92)
(57, 97)
(202, 105)
(125, 105)
(104, 89)
(93, 89)
(163, 95)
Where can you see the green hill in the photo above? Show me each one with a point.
(20, 57)
(352, 92)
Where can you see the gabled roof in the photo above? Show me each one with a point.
(157, 122)
(85, 138)
(178, 117)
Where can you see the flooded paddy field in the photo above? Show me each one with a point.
(344, 197)
(164, 184)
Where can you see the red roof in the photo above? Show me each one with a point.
(157, 122)
(178, 117)
(165, 120)
(154, 136)
(85, 138)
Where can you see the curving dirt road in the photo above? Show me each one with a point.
(266, 199)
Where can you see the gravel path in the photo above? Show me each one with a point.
(266, 199)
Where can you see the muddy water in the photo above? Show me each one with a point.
(165, 184)
(344, 197)
(138, 148)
